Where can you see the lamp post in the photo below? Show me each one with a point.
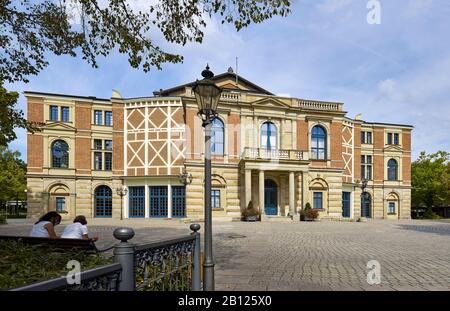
(121, 191)
(207, 95)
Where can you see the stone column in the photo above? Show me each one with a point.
(292, 194)
(261, 192)
(248, 186)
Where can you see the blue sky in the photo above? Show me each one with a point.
(395, 72)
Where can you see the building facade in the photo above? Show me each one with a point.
(278, 153)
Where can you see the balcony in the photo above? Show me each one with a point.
(275, 154)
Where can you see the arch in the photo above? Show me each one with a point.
(319, 184)
(218, 137)
(393, 203)
(103, 201)
(269, 135)
(319, 143)
(392, 167)
(60, 154)
(392, 196)
(218, 181)
(59, 197)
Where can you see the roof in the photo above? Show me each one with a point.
(231, 75)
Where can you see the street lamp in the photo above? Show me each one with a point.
(207, 95)
(121, 191)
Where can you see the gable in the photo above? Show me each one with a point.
(270, 102)
(59, 126)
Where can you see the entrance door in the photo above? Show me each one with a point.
(366, 205)
(270, 197)
(346, 204)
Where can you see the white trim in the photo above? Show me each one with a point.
(125, 143)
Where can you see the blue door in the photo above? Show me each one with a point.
(270, 197)
(346, 204)
(366, 205)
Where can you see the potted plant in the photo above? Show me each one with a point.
(250, 213)
(308, 214)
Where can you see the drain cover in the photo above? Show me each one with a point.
(237, 236)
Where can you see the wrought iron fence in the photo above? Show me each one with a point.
(171, 264)
(104, 278)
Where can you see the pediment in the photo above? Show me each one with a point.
(270, 102)
(393, 148)
(59, 126)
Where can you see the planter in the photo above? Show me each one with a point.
(250, 218)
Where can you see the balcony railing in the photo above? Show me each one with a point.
(275, 154)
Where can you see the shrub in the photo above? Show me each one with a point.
(250, 210)
(22, 264)
(3, 219)
(429, 214)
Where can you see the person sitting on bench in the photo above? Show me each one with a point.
(45, 226)
(77, 230)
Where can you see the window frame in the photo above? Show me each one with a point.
(105, 198)
(315, 143)
(64, 159)
(389, 170)
(217, 128)
(110, 123)
(267, 145)
(98, 116)
(215, 199)
(64, 115)
(58, 198)
(52, 113)
(319, 196)
(390, 212)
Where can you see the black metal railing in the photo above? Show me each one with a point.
(104, 278)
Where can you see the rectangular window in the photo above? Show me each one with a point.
(389, 138)
(363, 137)
(136, 202)
(97, 160)
(396, 139)
(108, 144)
(65, 114)
(178, 201)
(391, 209)
(366, 167)
(53, 113)
(98, 117)
(369, 138)
(108, 118)
(60, 204)
(215, 198)
(346, 204)
(318, 200)
(97, 144)
(108, 161)
(158, 201)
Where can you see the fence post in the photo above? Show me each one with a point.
(196, 285)
(124, 254)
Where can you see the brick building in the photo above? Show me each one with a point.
(280, 153)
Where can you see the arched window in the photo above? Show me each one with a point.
(217, 137)
(392, 169)
(318, 143)
(60, 154)
(103, 201)
(268, 136)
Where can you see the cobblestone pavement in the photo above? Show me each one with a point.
(325, 255)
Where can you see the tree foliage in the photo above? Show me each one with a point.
(11, 117)
(431, 179)
(13, 176)
(31, 29)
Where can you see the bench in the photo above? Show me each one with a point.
(79, 244)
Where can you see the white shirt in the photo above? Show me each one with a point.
(74, 231)
(39, 231)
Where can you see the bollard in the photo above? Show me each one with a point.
(124, 254)
(196, 283)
